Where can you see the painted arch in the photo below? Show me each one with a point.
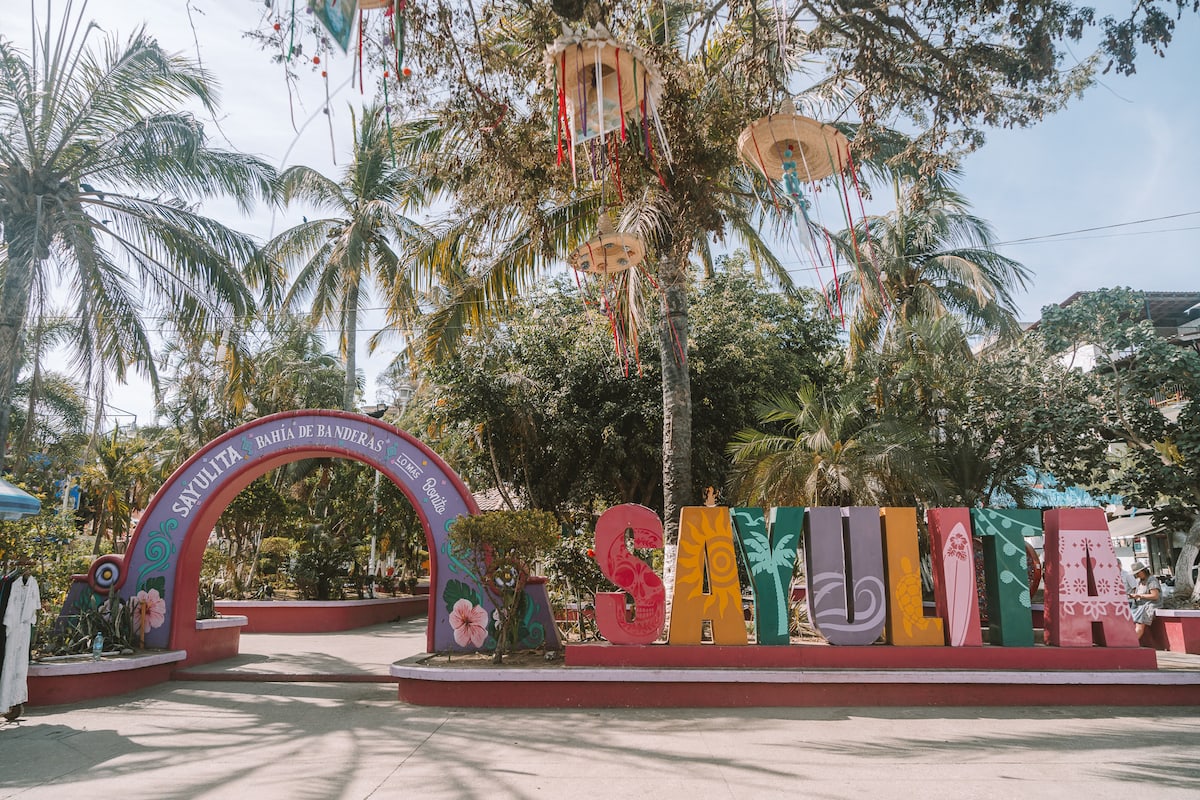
(166, 549)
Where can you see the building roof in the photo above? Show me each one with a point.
(1129, 527)
(1164, 309)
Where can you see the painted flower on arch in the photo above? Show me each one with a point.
(149, 610)
(469, 623)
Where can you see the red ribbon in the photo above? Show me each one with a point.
(836, 283)
(867, 227)
(620, 98)
(562, 105)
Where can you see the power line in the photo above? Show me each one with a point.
(1104, 236)
(1101, 228)
(792, 267)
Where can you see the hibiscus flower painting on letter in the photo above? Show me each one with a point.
(149, 611)
(469, 623)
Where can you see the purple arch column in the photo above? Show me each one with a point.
(165, 551)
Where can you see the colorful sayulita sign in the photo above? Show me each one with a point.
(863, 570)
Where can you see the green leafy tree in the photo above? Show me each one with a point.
(749, 342)
(549, 419)
(98, 167)
(274, 555)
(291, 369)
(244, 525)
(987, 416)
(1145, 450)
(115, 484)
(930, 258)
(50, 541)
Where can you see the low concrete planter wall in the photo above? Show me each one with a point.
(215, 639)
(320, 616)
(75, 680)
(1178, 630)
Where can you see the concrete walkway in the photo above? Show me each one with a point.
(362, 655)
(301, 740)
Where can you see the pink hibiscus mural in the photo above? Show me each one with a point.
(469, 623)
(149, 611)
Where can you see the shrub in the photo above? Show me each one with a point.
(502, 546)
(274, 554)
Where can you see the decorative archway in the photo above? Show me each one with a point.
(166, 549)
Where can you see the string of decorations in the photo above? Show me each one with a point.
(607, 95)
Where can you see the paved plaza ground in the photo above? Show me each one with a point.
(250, 738)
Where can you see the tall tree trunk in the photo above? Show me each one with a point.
(677, 396)
(14, 306)
(1184, 585)
(99, 525)
(21, 452)
(350, 339)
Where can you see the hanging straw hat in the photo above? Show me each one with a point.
(818, 150)
(626, 74)
(609, 252)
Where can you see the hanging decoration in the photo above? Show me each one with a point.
(338, 18)
(609, 252)
(607, 92)
(613, 257)
(788, 144)
(797, 150)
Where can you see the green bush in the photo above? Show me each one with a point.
(575, 578)
(319, 568)
(274, 554)
(503, 546)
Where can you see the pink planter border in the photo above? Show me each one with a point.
(76, 681)
(321, 616)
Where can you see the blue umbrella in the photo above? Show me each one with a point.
(16, 503)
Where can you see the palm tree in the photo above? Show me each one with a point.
(292, 369)
(360, 242)
(97, 170)
(516, 216)
(827, 448)
(48, 407)
(116, 484)
(930, 258)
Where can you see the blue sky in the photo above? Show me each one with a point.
(1125, 152)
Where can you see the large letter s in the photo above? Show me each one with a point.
(631, 574)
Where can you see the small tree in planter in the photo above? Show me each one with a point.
(502, 546)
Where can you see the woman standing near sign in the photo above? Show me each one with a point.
(1146, 597)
